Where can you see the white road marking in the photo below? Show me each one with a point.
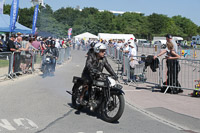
(6, 124)
(77, 65)
(21, 123)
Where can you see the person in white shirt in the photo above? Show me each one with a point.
(57, 44)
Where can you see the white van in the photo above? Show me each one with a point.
(196, 39)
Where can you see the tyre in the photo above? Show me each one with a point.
(112, 111)
(45, 69)
(76, 92)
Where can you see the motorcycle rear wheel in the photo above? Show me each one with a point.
(109, 108)
(75, 96)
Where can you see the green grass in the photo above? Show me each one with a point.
(4, 63)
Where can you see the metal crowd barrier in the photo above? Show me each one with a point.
(5, 64)
(12, 63)
(180, 74)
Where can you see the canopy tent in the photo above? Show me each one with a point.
(86, 36)
(5, 22)
(107, 36)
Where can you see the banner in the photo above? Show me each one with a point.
(1, 6)
(69, 33)
(35, 19)
(13, 14)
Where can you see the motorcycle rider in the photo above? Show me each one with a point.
(51, 49)
(95, 63)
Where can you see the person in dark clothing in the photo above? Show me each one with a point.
(11, 44)
(51, 49)
(12, 48)
(173, 68)
(95, 64)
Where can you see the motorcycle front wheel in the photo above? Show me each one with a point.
(113, 110)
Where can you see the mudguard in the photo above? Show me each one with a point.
(115, 89)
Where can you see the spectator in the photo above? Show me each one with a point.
(14, 48)
(169, 39)
(132, 55)
(43, 45)
(11, 44)
(28, 52)
(18, 43)
(126, 49)
(1, 46)
(191, 44)
(57, 44)
(36, 44)
(136, 44)
(172, 66)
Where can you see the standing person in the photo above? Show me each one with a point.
(172, 66)
(11, 47)
(191, 45)
(1, 46)
(136, 44)
(169, 38)
(78, 44)
(57, 44)
(74, 44)
(11, 44)
(28, 49)
(36, 44)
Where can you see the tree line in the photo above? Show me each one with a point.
(91, 20)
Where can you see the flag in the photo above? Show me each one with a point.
(1, 6)
(13, 14)
(35, 19)
(69, 33)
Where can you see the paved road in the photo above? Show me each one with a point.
(35, 105)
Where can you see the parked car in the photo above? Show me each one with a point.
(160, 43)
(143, 42)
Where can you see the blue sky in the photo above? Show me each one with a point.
(185, 8)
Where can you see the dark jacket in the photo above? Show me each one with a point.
(154, 64)
(90, 51)
(92, 63)
(53, 51)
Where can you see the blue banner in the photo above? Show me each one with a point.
(35, 19)
(1, 6)
(13, 14)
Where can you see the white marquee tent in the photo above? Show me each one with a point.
(86, 36)
(107, 36)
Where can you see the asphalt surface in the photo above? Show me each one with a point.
(33, 104)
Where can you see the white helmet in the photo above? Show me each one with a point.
(98, 47)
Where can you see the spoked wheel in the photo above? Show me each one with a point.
(113, 109)
(76, 92)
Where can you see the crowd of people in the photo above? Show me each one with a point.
(24, 47)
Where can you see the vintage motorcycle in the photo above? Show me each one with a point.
(105, 97)
(47, 64)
